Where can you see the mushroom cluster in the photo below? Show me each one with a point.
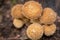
(33, 14)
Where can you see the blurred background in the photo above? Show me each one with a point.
(9, 32)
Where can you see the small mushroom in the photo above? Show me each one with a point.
(18, 23)
(34, 31)
(49, 29)
(32, 10)
(16, 11)
(49, 16)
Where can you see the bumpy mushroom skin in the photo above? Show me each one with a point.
(49, 30)
(32, 10)
(49, 16)
(16, 11)
(18, 23)
(35, 31)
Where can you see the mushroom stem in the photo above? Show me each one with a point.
(34, 39)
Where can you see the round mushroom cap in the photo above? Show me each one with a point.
(16, 11)
(35, 31)
(32, 10)
(18, 23)
(49, 16)
(49, 30)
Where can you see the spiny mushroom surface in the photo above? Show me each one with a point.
(35, 31)
(16, 11)
(32, 10)
(18, 23)
(49, 30)
(49, 16)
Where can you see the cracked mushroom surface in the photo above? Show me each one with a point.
(34, 31)
(49, 29)
(49, 16)
(32, 10)
(16, 11)
(18, 23)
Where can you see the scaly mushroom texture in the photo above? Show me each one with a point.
(16, 11)
(49, 16)
(32, 10)
(35, 31)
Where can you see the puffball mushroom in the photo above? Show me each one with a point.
(18, 23)
(32, 10)
(34, 31)
(49, 30)
(49, 16)
(16, 11)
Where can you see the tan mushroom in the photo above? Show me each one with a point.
(18, 23)
(49, 30)
(16, 11)
(35, 31)
(49, 16)
(32, 10)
